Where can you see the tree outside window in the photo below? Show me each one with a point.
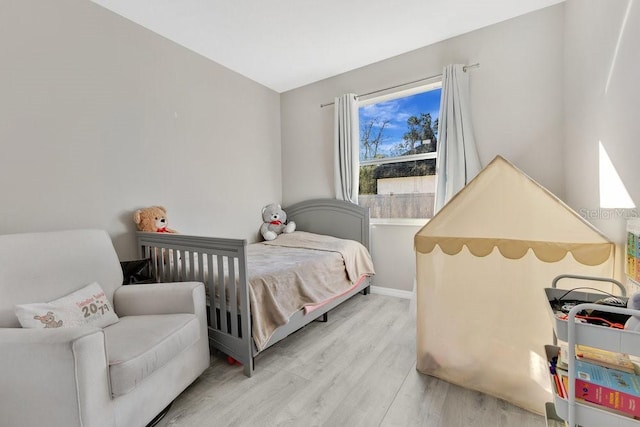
(398, 145)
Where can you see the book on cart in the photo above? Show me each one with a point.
(611, 389)
(605, 358)
(597, 356)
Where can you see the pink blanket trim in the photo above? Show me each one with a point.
(308, 308)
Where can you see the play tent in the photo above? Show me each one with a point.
(482, 264)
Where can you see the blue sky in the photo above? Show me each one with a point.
(397, 111)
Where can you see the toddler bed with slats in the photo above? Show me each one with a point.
(247, 314)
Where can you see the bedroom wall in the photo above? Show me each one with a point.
(101, 116)
(517, 107)
(602, 93)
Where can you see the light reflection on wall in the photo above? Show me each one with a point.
(613, 193)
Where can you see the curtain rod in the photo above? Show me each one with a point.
(464, 68)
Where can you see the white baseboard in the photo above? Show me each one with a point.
(399, 293)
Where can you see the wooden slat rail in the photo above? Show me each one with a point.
(178, 258)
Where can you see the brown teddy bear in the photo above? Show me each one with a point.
(152, 219)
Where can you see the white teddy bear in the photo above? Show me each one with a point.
(275, 222)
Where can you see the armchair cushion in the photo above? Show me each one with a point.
(137, 346)
(86, 306)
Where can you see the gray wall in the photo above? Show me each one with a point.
(602, 103)
(516, 93)
(517, 107)
(100, 116)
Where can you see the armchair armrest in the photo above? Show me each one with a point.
(160, 298)
(54, 376)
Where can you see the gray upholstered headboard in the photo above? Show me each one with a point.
(332, 217)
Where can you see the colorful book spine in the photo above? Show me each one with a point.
(632, 264)
(613, 389)
(560, 388)
(608, 398)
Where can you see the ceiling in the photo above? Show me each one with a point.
(285, 44)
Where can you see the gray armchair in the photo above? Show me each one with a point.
(120, 375)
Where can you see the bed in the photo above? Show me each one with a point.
(236, 296)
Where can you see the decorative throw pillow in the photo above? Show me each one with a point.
(86, 306)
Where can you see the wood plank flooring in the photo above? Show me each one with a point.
(358, 369)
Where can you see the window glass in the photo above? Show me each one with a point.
(398, 146)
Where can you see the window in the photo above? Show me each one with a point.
(398, 144)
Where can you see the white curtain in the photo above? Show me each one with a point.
(457, 160)
(346, 147)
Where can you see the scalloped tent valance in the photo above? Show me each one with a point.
(584, 253)
(505, 209)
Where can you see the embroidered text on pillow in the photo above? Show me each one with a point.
(86, 306)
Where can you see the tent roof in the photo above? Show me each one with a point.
(503, 207)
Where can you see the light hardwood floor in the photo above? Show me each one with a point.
(358, 369)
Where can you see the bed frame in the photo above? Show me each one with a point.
(231, 333)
